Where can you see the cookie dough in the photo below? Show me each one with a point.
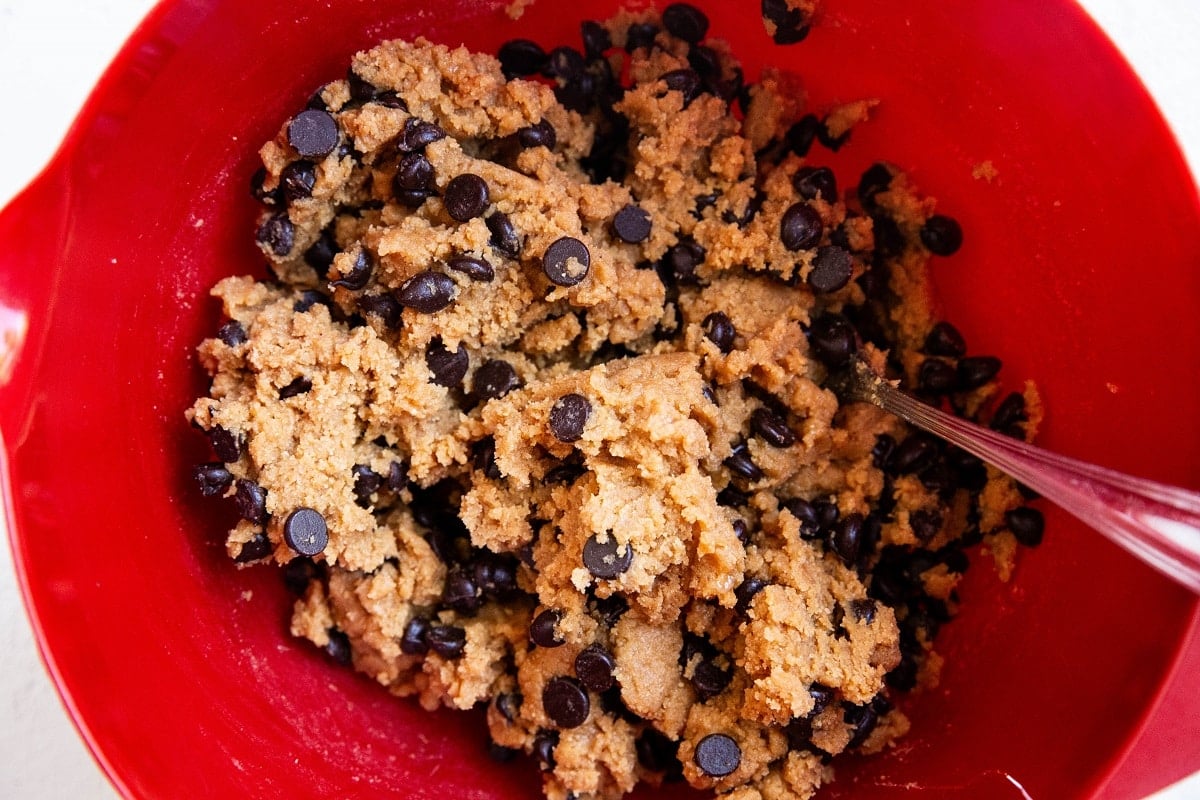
(531, 408)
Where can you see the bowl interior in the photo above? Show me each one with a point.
(1078, 269)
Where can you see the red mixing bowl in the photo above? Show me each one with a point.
(1081, 267)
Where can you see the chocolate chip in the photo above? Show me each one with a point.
(566, 702)
(596, 39)
(277, 233)
(719, 330)
(684, 81)
(494, 378)
(466, 197)
(310, 299)
(427, 292)
(942, 235)
(813, 182)
(1027, 524)
(359, 275)
(685, 22)
(338, 647)
(566, 261)
(504, 235)
(741, 531)
(384, 306)
(448, 367)
(913, 454)
(832, 340)
(846, 541)
(413, 173)
(313, 133)
(320, 253)
(831, 269)
(460, 593)
(475, 268)
(540, 134)
(366, 483)
(945, 340)
(606, 559)
(257, 180)
(806, 514)
(397, 477)
(640, 34)
(564, 62)
(975, 371)
(390, 99)
(827, 513)
(799, 138)
(771, 427)
(826, 137)
(578, 94)
(361, 90)
(298, 574)
(937, 377)
(790, 24)
(709, 680)
(543, 749)
(740, 464)
(717, 755)
(568, 416)
(251, 501)
(254, 549)
(509, 705)
(298, 386)
(305, 531)
(681, 261)
(520, 58)
(594, 666)
(862, 720)
(413, 641)
(1009, 415)
(565, 474)
(448, 641)
(412, 198)
(419, 134)
(632, 224)
(609, 609)
(227, 445)
(297, 179)
(877, 179)
(213, 478)
(800, 227)
(925, 523)
(656, 751)
(863, 609)
(543, 630)
(746, 592)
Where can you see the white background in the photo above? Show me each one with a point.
(52, 52)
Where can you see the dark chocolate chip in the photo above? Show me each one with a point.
(251, 501)
(790, 24)
(832, 340)
(427, 292)
(297, 179)
(232, 333)
(298, 574)
(227, 445)
(494, 378)
(495, 575)
(361, 90)
(311, 298)
(521, 57)
(213, 478)
(466, 197)
(543, 629)
(475, 268)
(564, 62)
(566, 261)
(397, 477)
(419, 134)
(413, 641)
(741, 531)
(384, 306)
(448, 367)
(925, 523)
(313, 133)
(594, 666)
(460, 593)
(390, 99)
(568, 416)
(320, 253)
(771, 427)
(913, 454)
(681, 261)
(719, 330)
(414, 173)
(800, 227)
(942, 235)
(1027, 524)
(540, 134)
(577, 94)
(863, 609)
(937, 377)
(610, 609)
(305, 531)
(412, 198)
(709, 680)
(732, 497)
(360, 272)
(806, 514)
(685, 22)
(717, 755)
(831, 269)
(877, 178)
(257, 180)
(945, 340)
(607, 559)
(254, 549)
(656, 751)
(826, 137)
(1010, 414)
(277, 233)
(862, 720)
(684, 81)
(543, 749)
(366, 483)
(632, 224)
(813, 182)
(298, 386)
(504, 235)
(975, 371)
(566, 702)
(799, 138)
(596, 39)
(741, 465)
(640, 34)
(509, 705)
(338, 647)
(448, 641)
(846, 541)
(746, 592)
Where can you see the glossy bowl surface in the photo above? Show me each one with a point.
(1079, 268)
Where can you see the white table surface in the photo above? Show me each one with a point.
(53, 51)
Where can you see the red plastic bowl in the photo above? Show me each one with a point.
(1080, 268)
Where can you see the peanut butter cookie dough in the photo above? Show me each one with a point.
(532, 408)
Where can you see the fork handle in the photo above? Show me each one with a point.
(1159, 524)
